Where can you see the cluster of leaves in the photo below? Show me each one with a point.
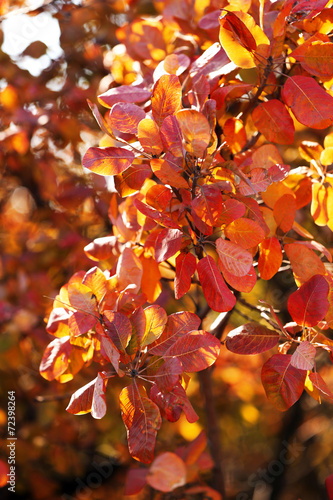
(206, 198)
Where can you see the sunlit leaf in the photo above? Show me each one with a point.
(142, 420)
(233, 257)
(195, 129)
(309, 305)
(173, 403)
(251, 338)
(166, 98)
(245, 232)
(118, 328)
(273, 120)
(186, 265)
(216, 292)
(270, 257)
(304, 262)
(168, 242)
(107, 161)
(124, 93)
(156, 319)
(125, 117)
(310, 104)
(284, 212)
(55, 358)
(149, 137)
(304, 356)
(179, 324)
(321, 386)
(282, 382)
(208, 204)
(91, 397)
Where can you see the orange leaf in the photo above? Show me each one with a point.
(304, 262)
(284, 212)
(166, 98)
(107, 161)
(240, 283)
(159, 196)
(156, 319)
(195, 129)
(90, 397)
(208, 204)
(233, 257)
(151, 276)
(235, 135)
(149, 137)
(270, 257)
(169, 172)
(55, 358)
(245, 232)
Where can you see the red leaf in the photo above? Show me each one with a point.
(179, 324)
(311, 105)
(135, 481)
(171, 135)
(58, 317)
(231, 210)
(166, 98)
(216, 292)
(234, 258)
(208, 204)
(102, 248)
(251, 338)
(168, 172)
(55, 358)
(270, 257)
(273, 120)
(107, 161)
(329, 486)
(168, 242)
(241, 283)
(133, 177)
(196, 351)
(321, 386)
(167, 376)
(91, 397)
(282, 382)
(158, 217)
(167, 472)
(125, 117)
(245, 232)
(195, 131)
(142, 420)
(309, 305)
(173, 403)
(118, 328)
(124, 93)
(186, 265)
(284, 212)
(304, 356)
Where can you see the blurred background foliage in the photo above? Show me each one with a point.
(54, 56)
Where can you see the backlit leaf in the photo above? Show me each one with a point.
(173, 403)
(151, 276)
(195, 130)
(309, 305)
(284, 212)
(168, 242)
(304, 356)
(233, 257)
(167, 376)
(245, 232)
(166, 98)
(186, 265)
(179, 324)
(167, 472)
(310, 104)
(196, 351)
(156, 319)
(129, 270)
(318, 59)
(216, 292)
(125, 117)
(270, 257)
(321, 386)
(158, 217)
(168, 172)
(55, 358)
(208, 204)
(304, 262)
(283, 383)
(142, 420)
(107, 161)
(240, 283)
(273, 120)
(159, 196)
(235, 134)
(251, 338)
(149, 137)
(171, 136)
(118, 328)
(124, 93)
(91, 397)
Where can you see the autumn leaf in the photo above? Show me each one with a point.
(251, 338)
(90, 398)
(55, 358)
(234, 258)
(195, 130)
(156, 319)
(125, 117)
(166, 98)
(216, 292)
(186, 265)
(107, 161)
(282, 382)
(304, 356)
(273, 120)
(270, 257)
(167, 472)
(168, 242)
(309, 305)
(179, 324)
(123, 93)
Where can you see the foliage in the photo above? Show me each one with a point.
(198, 124)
